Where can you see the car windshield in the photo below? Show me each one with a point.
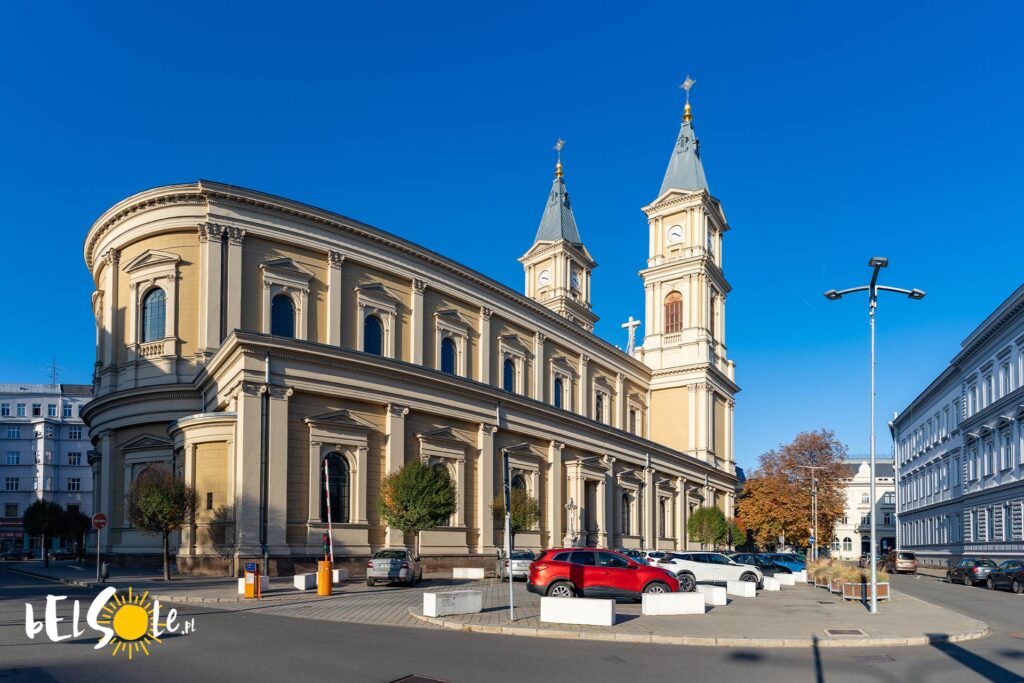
(389, 555)
(521, 555)
(986, 563)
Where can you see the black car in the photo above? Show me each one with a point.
(970, 572)
(16, 554)
(1009, 574)
(762, 562)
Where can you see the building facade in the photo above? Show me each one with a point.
(256, 346)
(852, 535)
(960, 448)
(45, 455)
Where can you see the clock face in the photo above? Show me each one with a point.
(544, 277)
(675, 233)
(575, 280)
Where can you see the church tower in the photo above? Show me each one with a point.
(558, 267)
(693, 380)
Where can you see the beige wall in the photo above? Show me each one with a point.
(673, 426)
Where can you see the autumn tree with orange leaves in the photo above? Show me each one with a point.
(776, 500)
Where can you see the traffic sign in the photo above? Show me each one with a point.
(812, 540)
(99, 520)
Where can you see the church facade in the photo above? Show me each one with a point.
(267, 351)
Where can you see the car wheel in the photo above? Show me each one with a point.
(1016, 586)
(369, 582)
(687, 584)
(561, 589)
(656, 587)
(967, 580)
(990, 584)
(748, 577)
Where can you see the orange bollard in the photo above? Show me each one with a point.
(323, 578)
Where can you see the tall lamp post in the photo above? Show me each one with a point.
(877, 263)
(814, 505)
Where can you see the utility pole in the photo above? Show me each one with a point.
(814, 505)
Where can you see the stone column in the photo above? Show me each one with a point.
(730, 454)
(394, 458)
(484, 352)
(692, 396)
(584, 395)
(417, 322)
(247, 469)
(112, 257)
(335, 260)
(554, 490)
(233, 293)
(537, 390)
(188, 531)
(210, 248)
(602, 515)
(277, 470)
(106, 483)
(485, 487)
(620, 401)
(680, 510)
(650, 500)
(608, 517)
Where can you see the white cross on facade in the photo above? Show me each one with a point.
(631, 325)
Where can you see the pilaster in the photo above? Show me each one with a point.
(233, 293)
(484, 353)
(650, 501)
(537, 390)
(485, 488)
(111, 276)
(394, 457)
(418, 286)
(335, 260)
(554, 491)
(247, 469)
(210, 260)
(277, 470)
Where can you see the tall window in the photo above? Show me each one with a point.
(661, 518)
(558, 392)
(627, 526)
(338, 484)
(712, 314)
(448, 353)
(154, 315)
(508, 375)
(599, 408)
(282, 316)
(373, 335)
(518, 482)
(632, 420)
(847, 544)
(673, 312)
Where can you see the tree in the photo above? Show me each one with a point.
(777, 497)
(43, 518)
(525, 512)
(737, 532)
(417, 497)
(708, 526)
(75, 526)
(159, 504)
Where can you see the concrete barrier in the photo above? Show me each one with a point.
(468, 573)
(304, 581)
(800, 576)
(452, 602)
(588, 611)
(771, 584)
(713, 595)
(655, 604)
(743, 589)
(339, 575)
(786, 579)
(264, 584)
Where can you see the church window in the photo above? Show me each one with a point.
(448, 355)
(627, 527)
(632, 420)
(282, 316)
(557, 398)
(337, 473)
(154, 315)
(508, 379)
(373, 335)
(673, 313)
(599, 408)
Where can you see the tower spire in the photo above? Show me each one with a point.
(685, 170)
(687, 84)
(558, 148)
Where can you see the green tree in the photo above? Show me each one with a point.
(159, 504)
(417, 497)
(708, 526)
(75, 526)
(525, 512)
(737, 533)
(46, 519)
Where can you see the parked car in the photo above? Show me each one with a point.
(64, 554)
(970, 572)
(633, 554)
(767, 567)
(653, 557)
(395, 565)
(519, 563)
(790, 561)
(713, 568)
(16, 554)
(592, 572)
(897, 562)
(1009, 574)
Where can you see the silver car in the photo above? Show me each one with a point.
(519, 564)
(395, 566)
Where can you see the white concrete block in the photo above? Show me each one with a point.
(713, 595)
(468, 573)
(743, 589)
(771, 584)
(264, 584)
(452, 602)
(339, 575)
(304, 581)
(588, 611)
(786, 579)
(800, 576)
(672, 603)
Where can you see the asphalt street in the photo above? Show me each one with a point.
(257, 647)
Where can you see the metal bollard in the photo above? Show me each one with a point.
(104, 572)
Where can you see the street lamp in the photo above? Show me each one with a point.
(877, 263)
(814, 505)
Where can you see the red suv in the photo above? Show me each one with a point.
(595, 573)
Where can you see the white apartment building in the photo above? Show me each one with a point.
(960, 445)
(44, 450)
(852, 535)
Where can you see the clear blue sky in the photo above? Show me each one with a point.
(829, 133)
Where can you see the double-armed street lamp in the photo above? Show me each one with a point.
(877, 263)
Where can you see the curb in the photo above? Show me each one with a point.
(176, 599)
(704, 641)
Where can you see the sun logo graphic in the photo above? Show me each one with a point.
(131, 623)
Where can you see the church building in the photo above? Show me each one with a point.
(268, 352)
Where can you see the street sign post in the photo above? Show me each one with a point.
(99, 520)
(508, 534)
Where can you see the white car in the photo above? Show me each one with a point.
(713, 568)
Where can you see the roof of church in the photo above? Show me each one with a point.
(685, 170)
(558, 223)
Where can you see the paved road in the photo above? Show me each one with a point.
(232, 645)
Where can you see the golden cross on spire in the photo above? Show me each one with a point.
(687, 84)
(559, 144)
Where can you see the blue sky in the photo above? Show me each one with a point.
(829, 133)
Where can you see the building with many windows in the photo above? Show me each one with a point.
(268, 351)
(960, 445)
(852, 535)
(44, 454)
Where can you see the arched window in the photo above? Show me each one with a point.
(282, 316)
(338, 483)
(632, 420)
(558, 392)
(154, 315)
(847, 544)
(518, 482)
(673, 312)
(448, 352)
(627, 526)
(835, 544)
(599, 408)
(508, 376)
(373, 335)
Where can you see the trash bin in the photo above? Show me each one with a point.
(324, 578)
